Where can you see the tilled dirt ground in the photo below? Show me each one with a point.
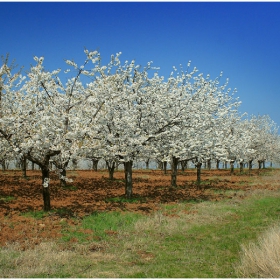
(92, 191)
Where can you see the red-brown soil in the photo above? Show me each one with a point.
(92, 191)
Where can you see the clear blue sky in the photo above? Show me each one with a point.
(240, 39)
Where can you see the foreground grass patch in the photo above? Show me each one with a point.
(100, 226)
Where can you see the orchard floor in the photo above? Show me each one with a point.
(92, 192)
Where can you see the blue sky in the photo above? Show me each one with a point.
(242, 39)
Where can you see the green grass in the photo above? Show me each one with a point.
(214, 247)
(228, 192)
(70, 188)
(35, 214)
(102, 226)
(7, 198)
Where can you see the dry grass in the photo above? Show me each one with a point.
(185, 217)
(262, 259)
(49, 258)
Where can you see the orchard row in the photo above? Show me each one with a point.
(122, 112)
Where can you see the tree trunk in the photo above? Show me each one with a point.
(260, 164)
(271, 164)
(17, 164)
(74, 163)
(250, 164)
(23, 166)
(147, 163)
(217, 164)
(209, 164)
(62, 171)
(62, 177)
(159, 165)
(164, 167)
(180, 164)
(3, 163)
(44, 166)
(231, 166)
(241, 166)
(128, 179)
(198, 173)
(225, 164)
(117, 163)
(174, 165)
(94, 163)
(46, 191)
(263, 163)
(184, 165)
(111, 168)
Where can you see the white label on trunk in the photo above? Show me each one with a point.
(46, 182)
